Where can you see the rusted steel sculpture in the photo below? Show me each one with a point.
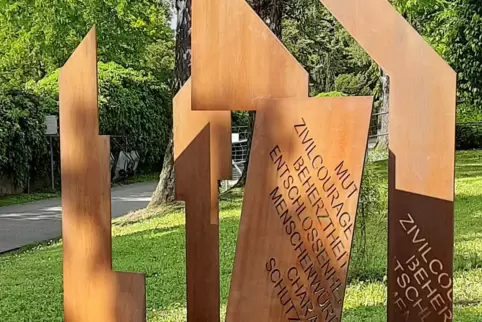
(202, 154)
(92, 291)
(299, 209)
(235, 61)
(421, 165)
(302, 190)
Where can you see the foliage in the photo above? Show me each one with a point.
(453, 28)
(332, 94)
(37, 36)
(23, 143)
(464, 49)
(334, 60)
(240, 118)
(131, 103)
(468, 136)
(468, 113)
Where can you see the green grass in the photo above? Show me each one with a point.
(9, 200)
(31, 281)
(18, 199)
(145, 177)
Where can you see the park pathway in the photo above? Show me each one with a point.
(33, 222)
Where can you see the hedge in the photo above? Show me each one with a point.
(468, 136)
(23, 144)
(131, 104)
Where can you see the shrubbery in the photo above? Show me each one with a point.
(131, 104)
(468, 136)
(23, 144)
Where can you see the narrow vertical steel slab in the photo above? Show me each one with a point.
(92, 292)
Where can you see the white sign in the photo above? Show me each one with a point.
(234, 137)
(51, 123)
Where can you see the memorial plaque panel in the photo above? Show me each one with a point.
(299, 209)
(422, 139)
(92, 291)
(202, 154)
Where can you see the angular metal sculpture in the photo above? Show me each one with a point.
(202, 154)
(285, 244)
(236, 58)
(422, 154)
(299, 209)
(92, 291)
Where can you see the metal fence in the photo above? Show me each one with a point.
(239, 140)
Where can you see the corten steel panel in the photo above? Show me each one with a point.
(188, 123)
(202, 154)
(299, 209)
(236, 58)
(422, 138)
(92, 292)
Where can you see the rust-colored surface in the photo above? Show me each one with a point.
(299, 209)
(421, 170)
(236, 58)
(189, 123)
(92, 292)
(202, 154)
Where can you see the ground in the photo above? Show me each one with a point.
(9, 200)
(31, 281)
(33, 222)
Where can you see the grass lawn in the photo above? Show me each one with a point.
(10, 200)
(31, 281)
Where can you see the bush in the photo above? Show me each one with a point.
(23, 144)
(331, 94)
(468, 136)
(240, 118)
(131, 104)
(468, 113)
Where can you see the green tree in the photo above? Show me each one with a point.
(462, 47)
(165, 190)
(37, 36)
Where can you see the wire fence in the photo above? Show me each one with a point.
(239, 140)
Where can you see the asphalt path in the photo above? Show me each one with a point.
(38, 221)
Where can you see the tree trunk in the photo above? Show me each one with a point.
(271, 12)
(382, 131)
(165, 190)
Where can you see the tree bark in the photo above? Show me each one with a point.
(271, 12)
(382, 131)
(165, 190)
